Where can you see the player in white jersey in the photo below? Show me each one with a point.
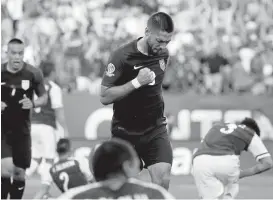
(216, 164)
(43, 124)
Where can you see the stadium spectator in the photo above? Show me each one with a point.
(243, 28)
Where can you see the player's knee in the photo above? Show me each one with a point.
(19, 174)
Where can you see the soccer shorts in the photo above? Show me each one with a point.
(43, 141)
(17, 146)
(216, 176)
(153, 146)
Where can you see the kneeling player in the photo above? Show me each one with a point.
(66, 173)
(114, 164)
(216, 164)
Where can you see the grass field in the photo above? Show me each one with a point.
(182, 187)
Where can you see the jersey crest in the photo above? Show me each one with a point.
(25, 84)
(110, 70)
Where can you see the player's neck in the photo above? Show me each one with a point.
(12, 70)
(142, 46)
(115, 183)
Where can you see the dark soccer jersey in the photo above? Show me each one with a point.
(67, 174)
(133, 189)
(14, 86)
(226, 139)
(143, 107)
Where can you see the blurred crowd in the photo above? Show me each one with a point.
(219, 47)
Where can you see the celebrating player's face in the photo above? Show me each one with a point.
(157, 41)
(16, 55)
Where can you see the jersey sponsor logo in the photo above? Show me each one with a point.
(110, 70)
(162, 64)
(25, 84)
(137, 67)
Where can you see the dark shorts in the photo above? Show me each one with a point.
(18, 147)
(152, 147)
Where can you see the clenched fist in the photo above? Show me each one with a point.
(145, 76)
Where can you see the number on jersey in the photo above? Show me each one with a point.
(230, 128)
(65, 178)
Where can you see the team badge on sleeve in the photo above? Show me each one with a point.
(162, 64)
(25, 84)
(110, 70)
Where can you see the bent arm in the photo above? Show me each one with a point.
(259, 151)
(40, 101)
(39, 89)
(263, 165)
(57, 105)
(111, 94)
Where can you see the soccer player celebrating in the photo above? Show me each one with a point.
(66, 173)
(43, 128)
(114, 163)
(18, 84)
(216, 164)
(133, 83)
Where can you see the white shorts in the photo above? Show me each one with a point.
(216, 176)
(43, 141)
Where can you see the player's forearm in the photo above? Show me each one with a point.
(257, 169)
(40, 101)
(110, 95)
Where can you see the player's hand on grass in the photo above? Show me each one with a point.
(145, 76)
(26, 103)
(3, 106)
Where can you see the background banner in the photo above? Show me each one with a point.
(190, 115)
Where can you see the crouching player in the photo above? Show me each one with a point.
(216, 164)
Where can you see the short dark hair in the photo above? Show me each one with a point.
(47, 68)
(161, 21)
(63, 146)
(252, 124)
(109, 157)
(15, 41)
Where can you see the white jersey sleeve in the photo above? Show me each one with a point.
(257, 148)
(84, 167)
(56, 96)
